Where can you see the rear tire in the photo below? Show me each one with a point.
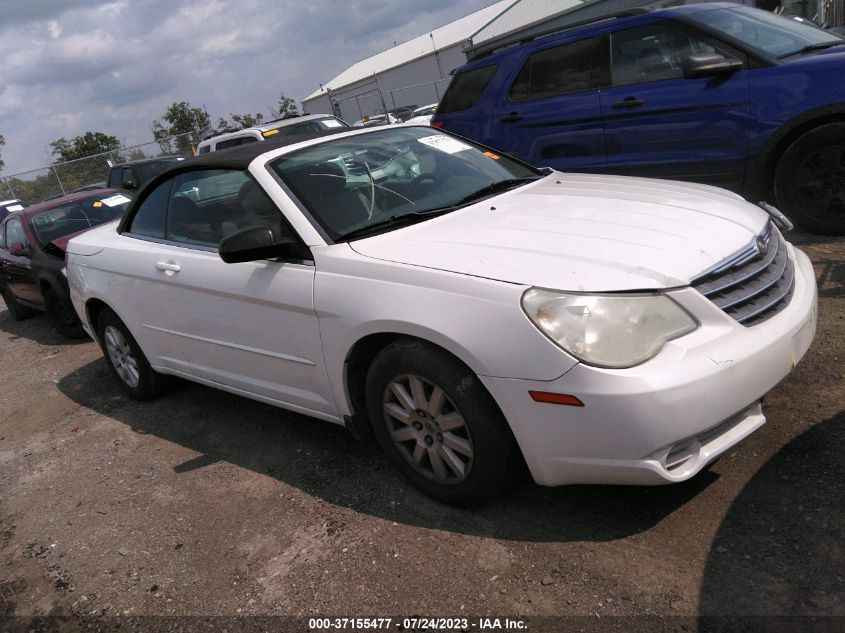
(62, 315)
(126, 360)
(19, 312)
(810, 180)
(438, 425)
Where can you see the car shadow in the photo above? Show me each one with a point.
(324, 460)
(36, 328)
(781, 547)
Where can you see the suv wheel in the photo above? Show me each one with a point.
(810, 180)
(126, 359)
(19, 312)
(438, 424)
(62, 315)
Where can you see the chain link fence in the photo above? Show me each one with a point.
(74, 175)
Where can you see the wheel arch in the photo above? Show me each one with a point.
(762, 178)
(358, 360)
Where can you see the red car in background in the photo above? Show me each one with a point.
(32, 253)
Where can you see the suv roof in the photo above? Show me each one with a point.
(269, 125)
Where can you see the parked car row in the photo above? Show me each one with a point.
(33, 241)
(713, 93)
(473, 314)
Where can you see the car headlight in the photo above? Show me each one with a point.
(608, 330)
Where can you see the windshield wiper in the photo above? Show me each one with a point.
(396, 221)
(812, 47)
(494, 188)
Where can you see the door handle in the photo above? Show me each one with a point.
(168, 267)
(628, 102)
(511, 118)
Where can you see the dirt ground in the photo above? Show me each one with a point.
(206, 504)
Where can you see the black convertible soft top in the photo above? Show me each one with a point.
(234, 158)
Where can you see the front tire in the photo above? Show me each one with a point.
(810, 180)
(126, 360)
(438, 425)
(62, 315)
(19, 312)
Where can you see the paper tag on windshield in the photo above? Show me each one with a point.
(444, 143)
(14, 207)
(330, 123)
(115, 200)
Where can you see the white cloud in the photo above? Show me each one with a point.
(115, 66)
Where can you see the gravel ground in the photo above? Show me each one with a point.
(206, 504)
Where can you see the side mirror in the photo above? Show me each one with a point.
(19, 250)
(709, 65)
(129, 183)
(256, 243)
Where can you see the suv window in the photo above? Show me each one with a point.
(15, 233)
(150, 217)
(465, 89)
(230, 142)
(572, 67)
(652, 53)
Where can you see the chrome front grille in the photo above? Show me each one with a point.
(753, 285)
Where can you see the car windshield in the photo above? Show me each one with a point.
(304, 127)
(78, 215)
(773, 34)
(352, 184)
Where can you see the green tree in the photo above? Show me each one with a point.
(286, 107)
(239, 122)
(137, 154)
(2, 143)
(180, 119)
(88, 144)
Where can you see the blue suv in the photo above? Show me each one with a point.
(715, 93)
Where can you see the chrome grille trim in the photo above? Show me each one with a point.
(749, 286)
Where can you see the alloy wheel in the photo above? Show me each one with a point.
(428, 429)
(120, 354)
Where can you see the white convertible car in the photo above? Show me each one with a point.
(471, 313)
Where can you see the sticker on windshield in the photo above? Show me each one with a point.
(492, 155)
(444, 143)
(115, 200)
(14, 207)
(330, 123)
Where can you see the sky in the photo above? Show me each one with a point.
(72, 66)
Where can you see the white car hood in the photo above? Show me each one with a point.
(581, 232)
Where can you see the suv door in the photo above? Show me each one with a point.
(17, 272)
(250, 327)
(551, 114)
(661, 125)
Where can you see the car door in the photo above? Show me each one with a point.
(661, 125)
(17, 267)
(251, 326)
(551, 113)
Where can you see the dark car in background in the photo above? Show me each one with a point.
(32, 253)
(134, 173)
(718, 93)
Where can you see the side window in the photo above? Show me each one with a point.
(207, 205)
(248, 139)
(2, 237)
(15, 233)
(232, 142)
(652, 53)
(466, 88)
(149, 220)
(205, 149)
(573, 67)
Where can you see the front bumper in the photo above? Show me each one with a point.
(665, 420)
